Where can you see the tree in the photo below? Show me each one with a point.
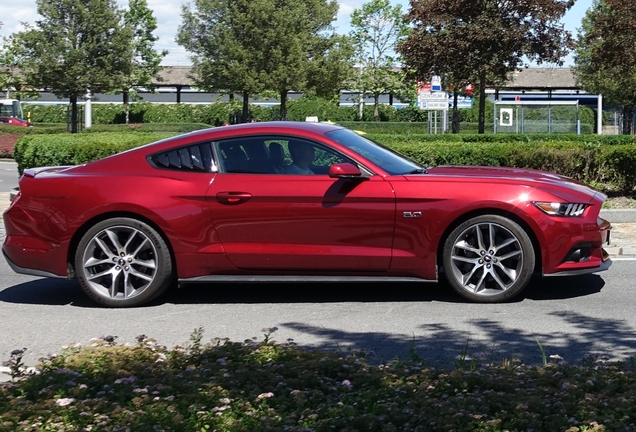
(297, 41)
(331, 66)
(78, 45)
(221, 54)
(605, 58)
(11, 79)
(377, 28)
(145, 60)
(482, 41)
(255, 46)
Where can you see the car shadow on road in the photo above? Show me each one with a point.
(563, 287)
(52, 292)
(61, 292)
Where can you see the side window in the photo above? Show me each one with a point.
(275, 155)
(196, 158)
(244, 155)
(298, 156)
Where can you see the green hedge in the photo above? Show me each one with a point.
(74, 149)
(595, 163)
(218, 113)
(417, 132)
(605, 166)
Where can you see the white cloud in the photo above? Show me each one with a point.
(343, 19)
(13, 15)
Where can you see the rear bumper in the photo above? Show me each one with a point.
(27, 271)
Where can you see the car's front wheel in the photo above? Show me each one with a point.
(123, 262)
(488, 259)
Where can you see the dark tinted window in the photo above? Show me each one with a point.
(272, 155)
(196, 158)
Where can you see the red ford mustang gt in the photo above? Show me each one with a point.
(297, 202)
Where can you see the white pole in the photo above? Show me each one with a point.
(88, 119)
(599, 115)
(361, 105)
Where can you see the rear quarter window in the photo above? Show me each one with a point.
(193, 158)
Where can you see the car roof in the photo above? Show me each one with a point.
(315, 127)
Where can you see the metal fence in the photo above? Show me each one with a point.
(536, 116)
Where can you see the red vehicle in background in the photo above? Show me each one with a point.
(11, 114)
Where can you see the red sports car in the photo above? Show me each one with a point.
(14, 121)
(297, 202)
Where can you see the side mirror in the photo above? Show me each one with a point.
(344, 170)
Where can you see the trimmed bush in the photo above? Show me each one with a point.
(218, 113)
(74, 149)
(594, 163)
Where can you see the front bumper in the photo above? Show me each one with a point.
(586, 255)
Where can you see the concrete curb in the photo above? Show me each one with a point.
(619, 215)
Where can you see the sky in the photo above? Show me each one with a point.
(168, 15)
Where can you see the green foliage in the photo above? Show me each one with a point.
(377, 28)
(594, 160)
(603, 63)
(218, 113)
(261, 386)
(256, 46)
(11, 80)
(483, 41)
(145, 60)
(70, 51)
(589, 162)
(617, 165)
(324, 109)
(74, 149)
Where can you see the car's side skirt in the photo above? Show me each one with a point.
(299, 278)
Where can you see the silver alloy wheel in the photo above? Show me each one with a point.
(486, 259)
(120, 262)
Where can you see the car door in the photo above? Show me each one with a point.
(269, 220)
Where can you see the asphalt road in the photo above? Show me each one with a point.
(568, 316)
(8, 175)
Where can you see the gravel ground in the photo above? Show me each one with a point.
(620, 203)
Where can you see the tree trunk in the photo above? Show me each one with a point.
(127, 107)
(628, 118)
(73, 100)
(246, 107)
(376, 107)
(283, 105)
(455, 122)
(482, 104)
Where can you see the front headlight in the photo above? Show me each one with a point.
(562, 209)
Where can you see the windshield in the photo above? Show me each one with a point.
(387, 159)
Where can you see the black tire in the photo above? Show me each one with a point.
(123, 262)
(488, 259)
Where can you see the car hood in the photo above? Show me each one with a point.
(530, 177)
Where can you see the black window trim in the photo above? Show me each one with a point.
(213, 165)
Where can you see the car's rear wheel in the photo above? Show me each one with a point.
(488, 259)
(123, 262)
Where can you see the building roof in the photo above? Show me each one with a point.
(522, 79)
(542, 79)
(173, 76)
